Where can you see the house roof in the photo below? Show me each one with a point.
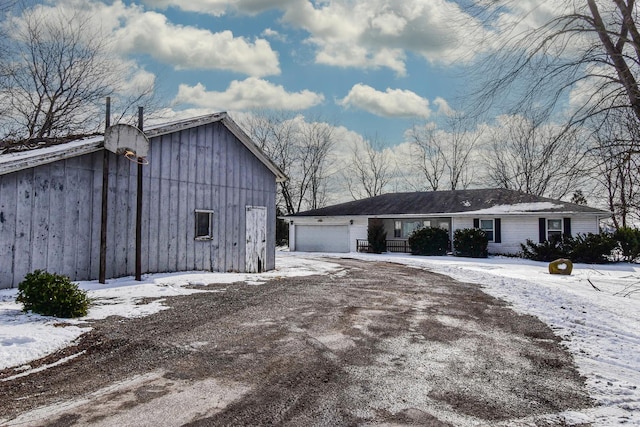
(15, 161)
(481, 202)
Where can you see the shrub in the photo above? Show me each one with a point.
(629, 242)
(429, 241)
(376, 236)
(548, 251)
(52, 295)
(588, 248)
(471, 242)
(592, 248)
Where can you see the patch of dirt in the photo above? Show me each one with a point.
(378, 343)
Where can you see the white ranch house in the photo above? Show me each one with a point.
(508, 217)
(208, 203)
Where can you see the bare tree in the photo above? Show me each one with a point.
(616, 156)
(535, 158)
(443, 158)
(316, 143)
(585, 50)
(427, 157)
(301, 149)
(275, 133)
(460, 145)
(58, 71)
(369, 170)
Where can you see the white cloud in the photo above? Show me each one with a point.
(131, 29)
(251, 93)
(193, 48)
(443, 106)
(364, 33)
(391, 103)
(378, 33)
(273, 34)
(220, 7)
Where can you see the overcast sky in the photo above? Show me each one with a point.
(373, 66)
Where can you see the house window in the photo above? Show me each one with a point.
(404, 229)
(487, 226)
(397, 229)
(409, 227)
(554, 229)
(204, 224)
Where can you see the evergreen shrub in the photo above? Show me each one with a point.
(471, 242)
(376, 236)
(629, 243)
(587, 248)
(52, 295)
(592, 248)
(429, 241)
(547, 251)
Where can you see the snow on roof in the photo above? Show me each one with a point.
(519, 208)
(12, 162)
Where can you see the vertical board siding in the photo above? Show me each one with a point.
(71, 218)
(40, 217)
(91, 212)
(50, 215)
(55, 220)
(8, 192)
(23, 235)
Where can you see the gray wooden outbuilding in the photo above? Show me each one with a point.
(208, 204)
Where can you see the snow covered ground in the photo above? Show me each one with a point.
(595, 310)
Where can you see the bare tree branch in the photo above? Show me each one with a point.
(58, 70)
(369, 169)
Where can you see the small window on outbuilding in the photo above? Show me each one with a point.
(204, 224)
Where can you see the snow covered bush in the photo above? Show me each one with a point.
(470, 242)
(429, 241)
(52, 295)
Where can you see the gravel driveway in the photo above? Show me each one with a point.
(373, 344)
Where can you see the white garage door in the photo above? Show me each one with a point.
(322, 238)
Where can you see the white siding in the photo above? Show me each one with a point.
(515, 230)
(358, 231)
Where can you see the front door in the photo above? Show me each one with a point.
(256, 249)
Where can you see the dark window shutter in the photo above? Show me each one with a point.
(497, 233)
(567, 227)
(542, 227)
(476, 222)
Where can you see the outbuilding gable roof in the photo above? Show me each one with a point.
(16, 161)
(481, 202)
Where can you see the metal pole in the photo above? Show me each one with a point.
(139, 207)
(105, 201)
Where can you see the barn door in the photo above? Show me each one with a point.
(256, 249)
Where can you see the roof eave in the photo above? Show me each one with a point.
(24, 160)
(14, 162)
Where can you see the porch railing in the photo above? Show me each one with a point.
(392, 245)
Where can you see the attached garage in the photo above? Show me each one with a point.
(322, 238)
